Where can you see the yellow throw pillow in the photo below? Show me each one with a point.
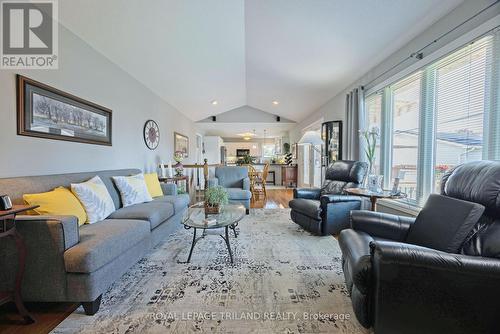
(153, 184)
(59, 201)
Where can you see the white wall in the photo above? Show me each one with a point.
(89, 75)
(334, 109)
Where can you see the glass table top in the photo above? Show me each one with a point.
(229, 214)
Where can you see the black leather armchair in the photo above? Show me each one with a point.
(397, 287)
(326, 211)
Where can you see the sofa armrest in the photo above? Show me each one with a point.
(213, 182)
(46, 239)
(246, 183)
(61, 231)
(306, 193)
(382, 225)
(169, 188)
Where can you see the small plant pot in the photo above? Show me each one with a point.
(212, 210)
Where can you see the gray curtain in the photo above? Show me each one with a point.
(355, 121)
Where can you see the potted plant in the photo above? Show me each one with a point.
(246, 160)
(215, 197)
(179, 168)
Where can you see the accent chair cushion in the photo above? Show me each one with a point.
(58, 202)
(133, 189)
(444, 223)
(153, 184)
(95, 199)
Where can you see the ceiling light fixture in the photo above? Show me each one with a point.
(276, 102)
(248, 135)
(214, 102)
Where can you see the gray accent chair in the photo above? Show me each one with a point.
(237, 183)
(67, 263)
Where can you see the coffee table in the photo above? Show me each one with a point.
(228, 218)
(374, 196)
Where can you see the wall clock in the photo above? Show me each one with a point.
(151, 134)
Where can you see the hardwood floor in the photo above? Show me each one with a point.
(49, 315)
(276, 199)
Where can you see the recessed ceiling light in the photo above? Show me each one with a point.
(276, 103)
(214, 102)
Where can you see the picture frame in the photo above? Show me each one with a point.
(46, 112)
(181, 143)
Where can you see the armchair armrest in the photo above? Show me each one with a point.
(449, 292)
(307, 193)
(330, 198)
(246, 183)
(381, 225)
(169, 188)
(213, 182)
(398, 253)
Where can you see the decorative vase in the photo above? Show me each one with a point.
(212, 209)
(374, 183)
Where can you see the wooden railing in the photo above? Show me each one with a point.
(194, 177)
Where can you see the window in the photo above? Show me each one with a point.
(268, 150)
(460, 94)
(405, 133)
(443, 115)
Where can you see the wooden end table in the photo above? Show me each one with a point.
(374, 196)
(8, 217)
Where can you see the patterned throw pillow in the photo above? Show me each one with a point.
(133, 189)
(95, 198)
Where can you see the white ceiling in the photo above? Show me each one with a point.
(252, 52)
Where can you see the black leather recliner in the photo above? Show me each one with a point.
(397, 287)
(325, 211)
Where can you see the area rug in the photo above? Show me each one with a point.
(284, 280)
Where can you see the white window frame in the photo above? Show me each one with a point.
(427, 115)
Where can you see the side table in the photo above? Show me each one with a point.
(6, 217)
(374, 196)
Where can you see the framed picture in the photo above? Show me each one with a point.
(46, 112)
(181, 143)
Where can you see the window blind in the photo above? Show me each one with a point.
(460, 93)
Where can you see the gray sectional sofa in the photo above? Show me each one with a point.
(67, 263)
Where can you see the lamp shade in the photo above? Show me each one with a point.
(311, 137)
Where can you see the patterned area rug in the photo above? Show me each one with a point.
(284, 280)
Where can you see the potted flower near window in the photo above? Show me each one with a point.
(215, 197)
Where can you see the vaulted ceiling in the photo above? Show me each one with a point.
(300, 53)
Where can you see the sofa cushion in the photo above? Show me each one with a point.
(308, 207)
(444, 223)
(180, 202)
(238, 194)
(155, 212)
(102, 242)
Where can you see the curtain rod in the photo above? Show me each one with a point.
(419, 55)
